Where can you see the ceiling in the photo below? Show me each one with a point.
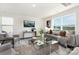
(39, 10)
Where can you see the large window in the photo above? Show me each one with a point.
(69, 22)
(66, 22)
(57, 23)
(7, 24)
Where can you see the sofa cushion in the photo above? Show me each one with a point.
(75, 51)
(77, 39)
(63, 41)
(5, 47)
(71, 41)
(63, 33)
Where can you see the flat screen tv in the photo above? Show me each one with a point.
(29, 23)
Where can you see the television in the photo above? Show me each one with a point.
(29, 23)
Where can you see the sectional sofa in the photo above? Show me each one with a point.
(71, 40)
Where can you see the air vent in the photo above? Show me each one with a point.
(66, 4)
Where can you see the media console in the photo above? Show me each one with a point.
(27, 34)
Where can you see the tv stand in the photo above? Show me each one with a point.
(27, 34)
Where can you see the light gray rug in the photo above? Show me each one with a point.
(23, 47)
(61, 51)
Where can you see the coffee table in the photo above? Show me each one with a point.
(45, 48)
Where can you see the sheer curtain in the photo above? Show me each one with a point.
(7, 24)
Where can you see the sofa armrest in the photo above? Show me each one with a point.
(5, 47)
(63, 41)
(75, 51)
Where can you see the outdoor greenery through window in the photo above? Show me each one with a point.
(66, 22)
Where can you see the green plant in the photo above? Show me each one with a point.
(41, 31)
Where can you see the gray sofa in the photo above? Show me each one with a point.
(75, 51)
(71, 40)
(7, 49)
(62, 40)
(6, 45)
(67, 41)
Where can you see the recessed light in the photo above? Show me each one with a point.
(34, 5)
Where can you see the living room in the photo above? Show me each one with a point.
(39, 28)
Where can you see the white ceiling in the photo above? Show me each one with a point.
(26, 9)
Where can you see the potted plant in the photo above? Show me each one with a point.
(41, 34)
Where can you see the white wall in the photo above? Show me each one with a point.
(44, 22)
(18, 24)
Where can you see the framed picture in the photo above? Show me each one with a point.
(48, 23)
(29, 23)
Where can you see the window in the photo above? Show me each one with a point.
(64, 23)
(7, 24)
(57, 23)
(69, 22)
(7, 21)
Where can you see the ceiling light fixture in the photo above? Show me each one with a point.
(34, 5)
(66, 4)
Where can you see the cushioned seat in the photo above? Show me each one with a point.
(75, 51)
(7, 49)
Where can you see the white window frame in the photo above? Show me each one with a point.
(62, 20)
(6, 24)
